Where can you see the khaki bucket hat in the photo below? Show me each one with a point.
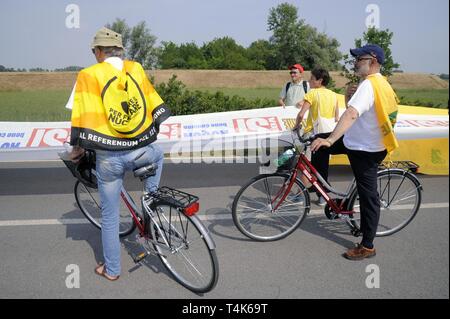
(107, 38)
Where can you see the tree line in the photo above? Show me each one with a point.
(66, 69)
(292, 41)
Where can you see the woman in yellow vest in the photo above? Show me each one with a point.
(323, 110)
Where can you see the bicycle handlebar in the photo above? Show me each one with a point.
(304, 140)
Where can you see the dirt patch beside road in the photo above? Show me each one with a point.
(16, 81)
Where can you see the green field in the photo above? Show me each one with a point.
(34, 106)
(49, 105)
(431, 98)
(437, 98)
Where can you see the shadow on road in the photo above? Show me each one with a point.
(92, 236)
(318, 225)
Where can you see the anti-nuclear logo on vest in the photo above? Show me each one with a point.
(125, 104)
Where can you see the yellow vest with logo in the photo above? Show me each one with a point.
(115, 110)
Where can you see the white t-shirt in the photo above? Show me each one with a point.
(364, 134)
(114, 61)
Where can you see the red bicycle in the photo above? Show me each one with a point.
(167, 225)
(271, 206)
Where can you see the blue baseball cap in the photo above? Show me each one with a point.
(371, 49)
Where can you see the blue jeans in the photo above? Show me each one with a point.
(111, 167)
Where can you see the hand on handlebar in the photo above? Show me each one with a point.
(76, 154)
(318, 143)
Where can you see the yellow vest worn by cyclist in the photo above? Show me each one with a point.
(115, 110)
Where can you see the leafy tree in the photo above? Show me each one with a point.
(120, 26)
(138, 42)
(72, 68)
(262, 52)
(185, 56)
(383, 38)
(34, 70)
(5, 69)
(225, 53)
(295, 41)
(142, 46)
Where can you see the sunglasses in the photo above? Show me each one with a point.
(359, 59)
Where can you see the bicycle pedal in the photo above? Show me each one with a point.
(140, 257)
(356, 232)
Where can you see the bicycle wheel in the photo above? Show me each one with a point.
(400, 198)
(88, 200)
(183, 249)
(254, 207)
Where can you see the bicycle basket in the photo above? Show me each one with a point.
(83, 170)
(271, 150)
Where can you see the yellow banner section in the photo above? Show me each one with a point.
(430, 154)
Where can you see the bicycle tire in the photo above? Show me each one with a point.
(273, 226)
(88, 201)
(392, 200)
(188, 257)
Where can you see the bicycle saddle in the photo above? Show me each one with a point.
(144, 169)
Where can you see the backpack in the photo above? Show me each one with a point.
(305, 86)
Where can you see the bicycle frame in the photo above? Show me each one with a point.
(313, 176)
(129, 202)
(131, 205)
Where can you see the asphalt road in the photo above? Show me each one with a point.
(42, 232)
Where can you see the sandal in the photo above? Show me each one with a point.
(103, 272)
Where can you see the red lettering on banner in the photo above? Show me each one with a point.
(257, 124)
(171, 131)
(424, 123)
(46, 137)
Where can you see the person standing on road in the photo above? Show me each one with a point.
(116, 112)
(293, 91)
(368, 125)
(323, 114)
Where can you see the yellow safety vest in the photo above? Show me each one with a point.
(115, 110)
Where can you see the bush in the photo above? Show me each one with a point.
(182, 101)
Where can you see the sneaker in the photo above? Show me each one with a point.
(360, 252)
(321, 201)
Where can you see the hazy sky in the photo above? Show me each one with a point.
(33, 33)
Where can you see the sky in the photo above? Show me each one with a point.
(34, 33)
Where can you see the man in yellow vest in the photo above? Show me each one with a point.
(368, 126)
(116, 112)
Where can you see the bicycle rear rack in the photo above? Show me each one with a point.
(174, 197)
(404, 165)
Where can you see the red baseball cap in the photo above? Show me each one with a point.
(298, 67)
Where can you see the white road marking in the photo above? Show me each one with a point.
(82, 221)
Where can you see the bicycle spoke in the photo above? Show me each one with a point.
(400, 197)
(90, 194)
(253, 209)
(256, 202)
